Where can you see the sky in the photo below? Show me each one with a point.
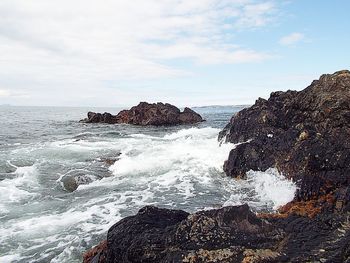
(185, 52)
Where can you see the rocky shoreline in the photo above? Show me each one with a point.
(305, 136)
(157, 114)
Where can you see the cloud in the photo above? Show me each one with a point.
(256, 15)
(86, 43)
(292, 39)
(4, 93)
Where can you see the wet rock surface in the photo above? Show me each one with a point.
(229, 234)
(147, 114)
(161, 235)
(69, 183)
(305, 135)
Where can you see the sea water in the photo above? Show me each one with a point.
(173, 167)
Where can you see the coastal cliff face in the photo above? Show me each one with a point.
(148, 114)
(306, 136)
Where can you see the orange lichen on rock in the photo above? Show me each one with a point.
(90, 254)
(303, 208)
(309, 208)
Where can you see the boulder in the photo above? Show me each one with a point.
(69, 183)
(72, 181)
(148, 114)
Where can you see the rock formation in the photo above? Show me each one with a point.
(148, 114)
(226, 235)
(306, 136)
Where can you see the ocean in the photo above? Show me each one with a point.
(173, 167)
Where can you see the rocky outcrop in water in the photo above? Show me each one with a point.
(305, 135)
(148, 114)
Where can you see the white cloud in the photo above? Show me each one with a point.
(292, 39)
(83, 43)
(256, 15)
(4, 93)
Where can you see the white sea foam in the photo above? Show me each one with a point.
(261, 190)
(19, 187)
(176, 160)
(10, 258)
(271, 186)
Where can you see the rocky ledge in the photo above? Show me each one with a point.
(147, 114)
(306, 136)
(230, 234)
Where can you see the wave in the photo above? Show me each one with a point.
(272, 187)
(19, 187)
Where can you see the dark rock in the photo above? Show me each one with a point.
(109, 160)
(189, 116)
(230, 234)
(100, 117)
(148, 114)
(223, 228)
(142, 237)
(96, 254)
(69, 183)
(305, 135)
(324, 238)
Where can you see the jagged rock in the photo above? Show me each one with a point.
(189, 116)
(148, 114)
(228, 234)
(96, 254)
(305, 135)
(100, 117)
(324, 238)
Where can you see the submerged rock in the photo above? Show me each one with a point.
(305, 135)
(148, 114)
(69, 183)
(109, 160)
